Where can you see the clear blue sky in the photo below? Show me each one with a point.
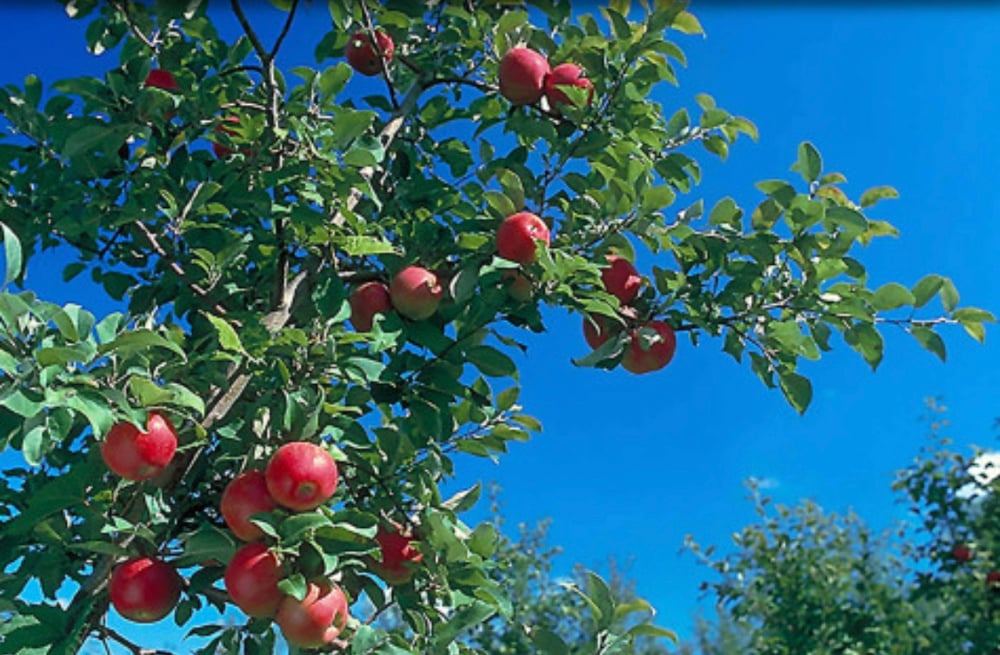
(627, 466)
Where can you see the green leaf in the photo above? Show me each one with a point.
(892, 296)
(293, 529)
(548, 642)
(873, 195)
(295, 586)
(864, 338)
(973, 314)
(949, 294)
(491, 361)
(228, 337)
(930, 340)
(797, 390)
(809, 164)
(463, 618)
(133, 341)
(463, 500)
(926, 288)
(12, 254)
(208, 543)
(34, 445)
(726, 212)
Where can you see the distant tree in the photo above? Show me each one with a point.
(803, 581)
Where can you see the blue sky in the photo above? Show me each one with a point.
(627, 466)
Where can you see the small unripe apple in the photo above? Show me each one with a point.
(222, 151)
(638, 359)
(162, 79)
(399, 557)
(962, 553)
(243, 497)
(517, 235)
(522, 75)
(317, 619)
(416, 293)
(366, 301)
(621, 279)
(566, 75)
(301, 476)
(137, 455)
(144, 589)
(597, 335)
(252, 579)
(362, 54)
(518, 286)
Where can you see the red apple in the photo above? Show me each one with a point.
(962, 553)
(144, 589)
(522, 76)
(517, 235)
(317, 619)
(566, 75)
(243, 497)
(993, 580)
(399, 557)
(369, 299)
(638, 359)
(301, 476)
(415, 292)
(518, 286)
(364, 57)
(252, 579)
(597, 335)
(222, 151)
(621, 279)
(136, 455)
(162, 79)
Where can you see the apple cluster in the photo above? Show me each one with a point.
(651, 344)
(415, 292)
(526, 77)
(963, 554)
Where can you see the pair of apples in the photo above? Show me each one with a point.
(416, 292)
(525, 76)
(651, 345)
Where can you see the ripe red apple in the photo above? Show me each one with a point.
(222, 151)
(621, 279)
(366, 301)
(301, 476)
(136, 455)
(162, 79)
(993, 580)
(566, 75)
(399, 557)
(415, 292)
(317, 619)
(252, 579)
(597, 335)
(962, 553)
(362, 54)
(640, 360)
(522, 75)
(243, 497)
(518, 286)
(517, 235)
(144, 589)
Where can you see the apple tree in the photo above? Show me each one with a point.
(807, 581)
(319, 292)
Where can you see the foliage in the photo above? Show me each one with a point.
(803, 581)
(233, 272)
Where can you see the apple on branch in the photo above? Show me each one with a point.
(316, 620)
(517, 236)
(522, 75)
(368, 300)
(566, 75)
(399, 557)
(621, 279)
(136, 455)
(144, 589)
(651, 347)
(252, 578)
(301, 476)
(416, 293)
(365, 56)
(243, 497)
